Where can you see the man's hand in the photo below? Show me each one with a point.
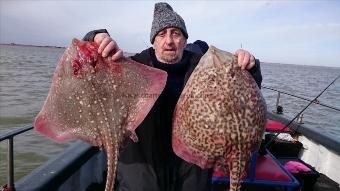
(107, 46)
(245, 59)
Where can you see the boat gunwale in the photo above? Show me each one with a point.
(319, 137)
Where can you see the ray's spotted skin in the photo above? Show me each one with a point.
(220, 117)
(97, 100)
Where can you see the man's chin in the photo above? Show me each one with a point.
(169, 54)
(170, 60)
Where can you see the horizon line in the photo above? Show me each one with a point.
(54, 46)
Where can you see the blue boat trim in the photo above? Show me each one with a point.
(251, 180)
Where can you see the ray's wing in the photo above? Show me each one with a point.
(89, 94)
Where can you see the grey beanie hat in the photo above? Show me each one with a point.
(164, 17)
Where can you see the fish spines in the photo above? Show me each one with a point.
(112, 155)
(110, 144)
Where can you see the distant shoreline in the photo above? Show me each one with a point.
(328, 66)
(43, 46)
(130, 54)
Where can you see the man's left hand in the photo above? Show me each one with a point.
(245, 59)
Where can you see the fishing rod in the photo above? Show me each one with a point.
(319, 103)
(312, 101)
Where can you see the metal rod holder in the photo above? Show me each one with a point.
(278, 108)
(278, 99)
(300, 119)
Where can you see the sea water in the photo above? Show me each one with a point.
(26, 74)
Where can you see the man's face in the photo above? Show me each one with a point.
(169, 45)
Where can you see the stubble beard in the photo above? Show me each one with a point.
(170, 58)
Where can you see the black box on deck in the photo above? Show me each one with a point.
(281, 148)
(306, 179)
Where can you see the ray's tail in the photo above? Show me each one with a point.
(237, 166)
(112, 158)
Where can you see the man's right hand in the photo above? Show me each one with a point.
(107, 46)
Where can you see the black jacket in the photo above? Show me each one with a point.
(150, 164)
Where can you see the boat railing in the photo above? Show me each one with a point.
(9, 136)
(279, 108)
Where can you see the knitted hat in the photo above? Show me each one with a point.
(164, 17)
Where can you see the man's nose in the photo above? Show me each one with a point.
(169, 39)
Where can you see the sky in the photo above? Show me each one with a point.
(283, 31)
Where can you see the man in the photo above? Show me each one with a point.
(150, 164)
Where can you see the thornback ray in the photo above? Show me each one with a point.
(97, 100)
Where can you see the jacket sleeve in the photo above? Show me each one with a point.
(256, 73)
(90, 35)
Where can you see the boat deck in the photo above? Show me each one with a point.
(323, 183)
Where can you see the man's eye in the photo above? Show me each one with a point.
(176, 34)
(161, 34)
